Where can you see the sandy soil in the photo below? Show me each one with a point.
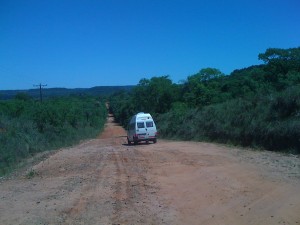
(105, 181)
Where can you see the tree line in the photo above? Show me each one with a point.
(258, 106)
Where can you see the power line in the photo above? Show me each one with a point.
(40, 86)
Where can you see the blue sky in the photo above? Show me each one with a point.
(72, 43)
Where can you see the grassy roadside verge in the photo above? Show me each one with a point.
(28, 127)
(265, 122)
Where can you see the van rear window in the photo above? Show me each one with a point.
(140, 125)
(149, 124)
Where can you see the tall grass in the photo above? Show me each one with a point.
(271, 122)
(28, 127)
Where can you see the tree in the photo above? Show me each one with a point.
(282, 66)
(200, 89)
(283, 60)
(23, 96)
(207, 74)
(278, 54)
(155, 95)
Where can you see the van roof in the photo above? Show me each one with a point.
(143, 116)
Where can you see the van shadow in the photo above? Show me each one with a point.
(138, 144)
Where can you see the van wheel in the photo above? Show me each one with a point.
(135, 142)
(154, 141)
(129, 142)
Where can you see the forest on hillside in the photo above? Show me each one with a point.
(58, 92)
(258, 106)
(28, 126)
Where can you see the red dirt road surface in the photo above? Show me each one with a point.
(105, 181)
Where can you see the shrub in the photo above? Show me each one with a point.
(272, 122)
(28, 127)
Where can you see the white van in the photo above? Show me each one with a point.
(141, 128)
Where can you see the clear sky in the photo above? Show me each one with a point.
(86, 43)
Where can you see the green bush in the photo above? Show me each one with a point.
(272, 122)
(28, 127)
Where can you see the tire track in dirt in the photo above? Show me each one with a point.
(88, 197)
(134, 191)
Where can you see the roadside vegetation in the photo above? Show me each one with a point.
(258, 106)
(28, 126)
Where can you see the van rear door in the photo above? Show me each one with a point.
(141, 130)
(151, 129)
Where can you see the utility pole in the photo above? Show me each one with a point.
(40, 86)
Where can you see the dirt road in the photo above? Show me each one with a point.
(104, 181)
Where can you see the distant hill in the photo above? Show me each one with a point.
(52, 92)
